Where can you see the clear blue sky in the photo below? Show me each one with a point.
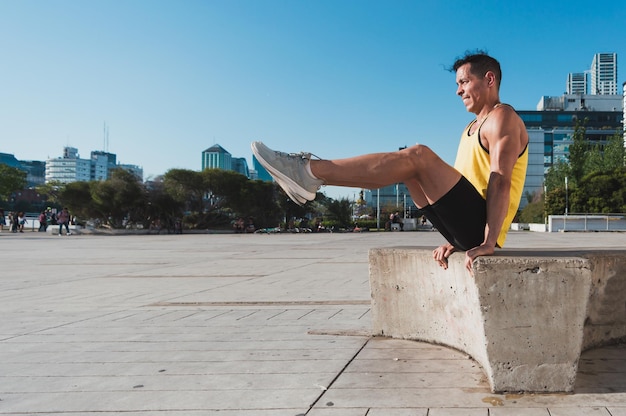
(334, 77)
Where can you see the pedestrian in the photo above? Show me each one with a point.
(64, 219)
(15, 222)
(43, 222)
(3, 220)
(21, 221)
(471, 204)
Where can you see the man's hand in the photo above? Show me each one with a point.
(481, 250)
(441, 254)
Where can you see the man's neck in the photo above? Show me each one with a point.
(488, 108)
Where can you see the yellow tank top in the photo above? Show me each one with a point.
(473, 161)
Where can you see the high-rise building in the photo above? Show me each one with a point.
(576, 83)
(35, 172)
(101, 164)
(216, 157)
(69, 168)
(604, 74)
(261, 173)
(240, 165)
(551, 129)
(624, 107)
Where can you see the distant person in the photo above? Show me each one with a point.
(471, 204)
(3, 220)
(14, 222)
(395, 219)
(43, 222)
(64, 219)
(52, 217)
(250, 227)
(21, 221)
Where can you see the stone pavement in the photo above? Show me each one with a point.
(246, 325)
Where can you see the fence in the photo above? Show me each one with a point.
(587, 222)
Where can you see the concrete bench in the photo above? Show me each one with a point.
(525, 316)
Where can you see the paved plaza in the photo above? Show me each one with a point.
(243, 325)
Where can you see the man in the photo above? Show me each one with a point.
(471, 204)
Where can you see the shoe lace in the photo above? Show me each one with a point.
(301, 155)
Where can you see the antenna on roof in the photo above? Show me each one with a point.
(106, 137)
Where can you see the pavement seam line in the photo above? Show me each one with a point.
(337, 376)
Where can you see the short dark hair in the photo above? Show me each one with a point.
(480, 63)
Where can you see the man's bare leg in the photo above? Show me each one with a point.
(426, 175)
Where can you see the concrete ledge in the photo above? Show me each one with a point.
(525, 316)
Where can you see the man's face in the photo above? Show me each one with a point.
(471, 89)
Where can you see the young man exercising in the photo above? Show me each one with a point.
(471, 204)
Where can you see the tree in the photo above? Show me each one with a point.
(534, 211)
(77, 196)
(577, 151)
(13, 179)
(340, 211)
(186, 186)
(601, 192)
(225, 188)
(594, 162)
(257, 199)
(614, 152)
(162, 206)
(51, 191)
(128, 199)
(555, 201)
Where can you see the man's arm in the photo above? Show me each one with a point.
(502, 135)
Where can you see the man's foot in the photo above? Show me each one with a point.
(290, 171)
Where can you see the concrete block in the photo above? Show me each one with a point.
(524, 316)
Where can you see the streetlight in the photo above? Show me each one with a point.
(566, 198)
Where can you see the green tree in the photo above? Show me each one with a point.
(162, 206)
(119, 200)
(12, 180)
(257, 199)
(51, 190)
(614, 153)
(77, 196)
(340, 210)
(555, 201)
(601, 192)
(594, 162)
(534, 211)
(578, 151)
(225, 189)
(186, 186)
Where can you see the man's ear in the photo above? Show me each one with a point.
(491, 78)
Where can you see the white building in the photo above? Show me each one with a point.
(604, 74)
(576, 83)
(581, 102)
(624, 119)
(69, 168)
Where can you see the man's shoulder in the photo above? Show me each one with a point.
(503, 114)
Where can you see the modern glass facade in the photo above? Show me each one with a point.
(551, 132)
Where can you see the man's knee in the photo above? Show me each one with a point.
(421, 151)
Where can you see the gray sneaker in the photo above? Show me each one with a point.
(289, 171)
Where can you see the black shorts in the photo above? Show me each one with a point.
(460, 215)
